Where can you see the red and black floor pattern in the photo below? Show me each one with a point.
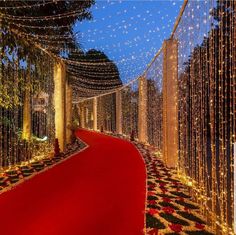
(10, 177)
(169, 208)
(112, 167)
(98, 191)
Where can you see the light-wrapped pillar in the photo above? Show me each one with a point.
(26, 131)
(170, 105)
(82, 116)
(68, 113)
(59, 102)
(118, 113)
(95, 113)
(142, 110)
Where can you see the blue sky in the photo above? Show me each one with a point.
(129, 32)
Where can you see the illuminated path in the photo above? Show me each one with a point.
(100, 191)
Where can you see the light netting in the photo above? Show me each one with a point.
(86, 110)
(154, 76)
(27, 128)
(205, 32)
(106, 112)
(129, 107)
(206, 37)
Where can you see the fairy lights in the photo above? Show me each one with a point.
(27, 114)
(118, 33)
(205, 31)
(43, 18)
(206, 106)
(23, 127)
(28, 6)
(30, 27)
(234, 189)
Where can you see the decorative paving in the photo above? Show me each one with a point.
(169, 210)
(18, 174)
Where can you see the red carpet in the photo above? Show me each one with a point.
(100, 191)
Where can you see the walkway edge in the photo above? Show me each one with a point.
(21, 181)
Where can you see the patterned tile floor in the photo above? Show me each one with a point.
(10, 178)
(169, 209)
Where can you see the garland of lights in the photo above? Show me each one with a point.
(42, 39)
(87, 78)
(127, 24)
(87, 72)
(23, 26)
(26, 130)
(29, 6)
(202, 96)
(96, 82)
(74, 13)
(206, 106)
(45, 37)
(13, 148)
(206, 100)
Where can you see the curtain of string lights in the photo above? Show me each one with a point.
(206, 36)
(129, 106)
(206, 106)
(26, 106)
(206, 95)
(28, 52)
(155, 102)
(87, 110)
(106, 113)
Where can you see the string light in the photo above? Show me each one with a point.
(74, 13)
(206, 87)
(28, 6)
(206, 104)
(26, 107)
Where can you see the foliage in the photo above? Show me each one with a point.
(25, 66)
(36, 13)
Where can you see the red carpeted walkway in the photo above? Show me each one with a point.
(100, 191)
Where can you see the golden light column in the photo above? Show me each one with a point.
(118, 112)
(82, 116)
(95, 113)
(142, 110)
(59, 103)
(170, 105)
(26, 132)
(68, 112)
